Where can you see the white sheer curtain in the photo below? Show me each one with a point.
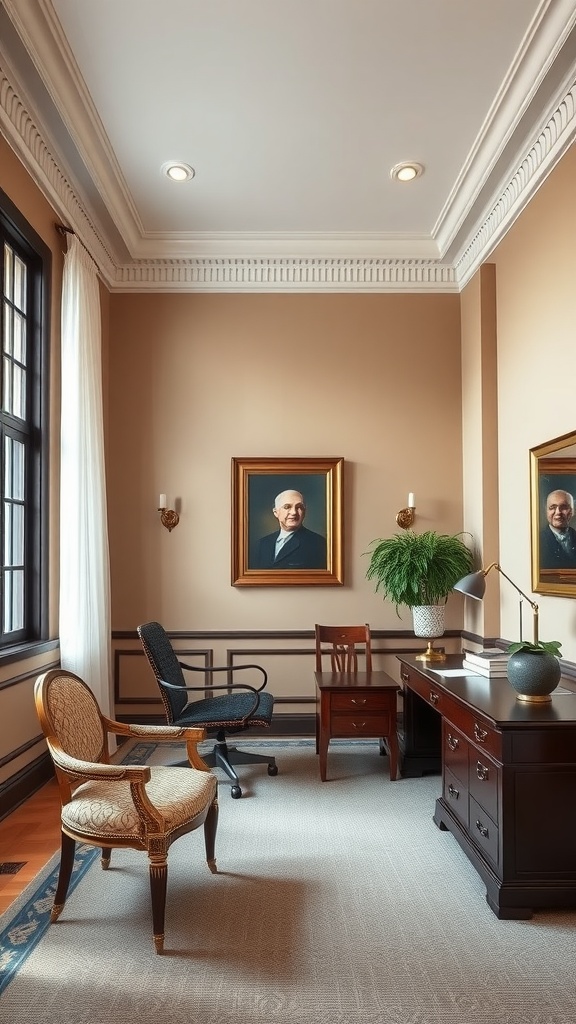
(84, 557)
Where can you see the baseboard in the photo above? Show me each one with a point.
(24, 783)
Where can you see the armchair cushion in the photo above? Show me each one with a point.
(105, 809)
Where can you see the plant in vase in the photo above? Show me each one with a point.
(419, 570)
(534, 669)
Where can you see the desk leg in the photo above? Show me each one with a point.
(392, 741)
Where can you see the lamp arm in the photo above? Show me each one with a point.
(532, 604)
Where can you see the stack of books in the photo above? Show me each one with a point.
(491, 662)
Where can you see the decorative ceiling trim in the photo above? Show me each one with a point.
(552, 142)
(22, 134)
(277, 274)
(263, 275)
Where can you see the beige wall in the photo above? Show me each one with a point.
(196, 380)
(192, 380)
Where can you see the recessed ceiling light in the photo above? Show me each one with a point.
(406, 171)
(178, 171)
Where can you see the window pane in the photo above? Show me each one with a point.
(19, 392)
(19, 284)
(8, 460)
(8, 327)
(13, 600)
(19, 342)
(8, 271)
(18, 459)
(8, 532)
(17, 536)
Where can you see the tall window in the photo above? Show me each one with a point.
(23, 442)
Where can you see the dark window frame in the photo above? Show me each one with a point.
(21, 236)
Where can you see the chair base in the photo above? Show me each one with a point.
(226, 757)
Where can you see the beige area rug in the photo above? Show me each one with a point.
(335, 903)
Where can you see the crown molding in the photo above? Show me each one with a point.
(292, 263)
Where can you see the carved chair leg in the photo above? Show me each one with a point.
(158, 880)
(67, 849)
(210, 826)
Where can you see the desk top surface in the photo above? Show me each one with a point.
(355, 680)
(495, 698)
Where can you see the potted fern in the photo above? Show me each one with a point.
(419, 570)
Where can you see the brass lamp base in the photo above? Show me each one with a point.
(431, 654)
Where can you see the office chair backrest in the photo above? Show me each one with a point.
(342, 647)
(166, 667)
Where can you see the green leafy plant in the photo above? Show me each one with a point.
(418, 568)
(542, 647)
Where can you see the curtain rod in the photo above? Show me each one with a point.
(63, 230)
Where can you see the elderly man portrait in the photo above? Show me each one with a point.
(558, 538)
(292, 546)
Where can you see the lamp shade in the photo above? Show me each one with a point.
(472, 585)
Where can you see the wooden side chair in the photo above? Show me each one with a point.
(353, 702)
(115, 805)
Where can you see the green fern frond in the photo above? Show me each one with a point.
(418, 568)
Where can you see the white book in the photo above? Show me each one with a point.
(490, 656)
(490, 671)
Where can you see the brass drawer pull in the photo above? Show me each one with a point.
(482, 829)
(455, 793)
(453, 742)
(434, 698)
(482, 771)
(479, 734)
(356, 700)
(359, 725)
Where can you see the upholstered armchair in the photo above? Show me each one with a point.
(115, 805)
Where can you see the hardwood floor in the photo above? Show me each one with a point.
(29, 835)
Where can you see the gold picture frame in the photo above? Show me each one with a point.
(552, 467)
(315, 557)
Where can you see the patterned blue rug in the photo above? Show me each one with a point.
(26, 920)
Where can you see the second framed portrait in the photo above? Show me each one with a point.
(287, 522)
(553, 490)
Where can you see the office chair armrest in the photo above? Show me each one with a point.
(225, 668)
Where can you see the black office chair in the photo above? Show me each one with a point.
(241, 707)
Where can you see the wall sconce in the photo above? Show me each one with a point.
(168, 517)
(406, 516)
(474, 585)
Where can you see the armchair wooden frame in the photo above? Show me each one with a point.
(171, 807)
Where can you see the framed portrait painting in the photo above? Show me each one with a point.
(553, 532)
(287, 522)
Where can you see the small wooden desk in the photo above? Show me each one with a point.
(356, 704)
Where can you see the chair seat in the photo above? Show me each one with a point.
(106, 809)
(222, 712)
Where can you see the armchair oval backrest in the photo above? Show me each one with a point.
(166, 667)
(69, 712)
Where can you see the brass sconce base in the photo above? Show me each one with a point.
(169, 518)
(431, 654)
(405, 518)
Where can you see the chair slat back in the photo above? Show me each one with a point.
(69, 712)
(166, 667)
(344, 645)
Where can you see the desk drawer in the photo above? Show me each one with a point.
(483, 831)
(358, 724)
(423, 687)
(455, 749)
(359, 702)
(455, 794)
(483, 782)
(475, 728)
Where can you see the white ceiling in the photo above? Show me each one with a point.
(292, 113)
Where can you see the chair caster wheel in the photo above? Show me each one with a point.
(235, 792)
(272, 769)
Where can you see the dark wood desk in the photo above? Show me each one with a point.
(356, 704)
(508, 780)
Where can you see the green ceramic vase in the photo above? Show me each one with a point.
(533, 675)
